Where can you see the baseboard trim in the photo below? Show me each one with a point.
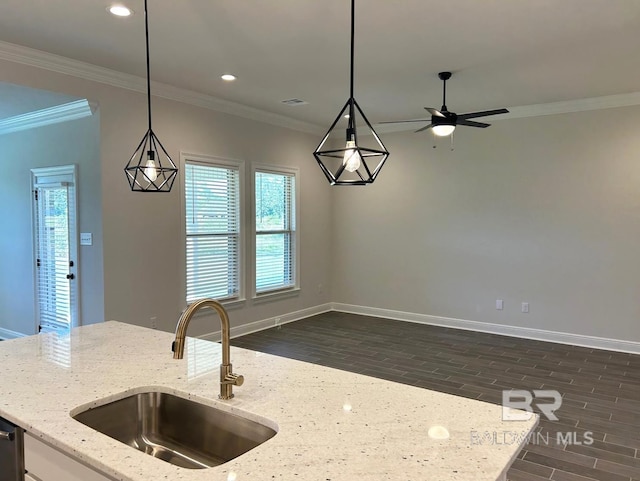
(593, 342)
(263, 324)
(9, 334)
(503, 330)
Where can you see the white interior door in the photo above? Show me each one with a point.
(56, 248)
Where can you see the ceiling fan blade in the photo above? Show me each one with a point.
(484, 113)
(435, 112)
(471, 123)
(424, 128)
(402, 121)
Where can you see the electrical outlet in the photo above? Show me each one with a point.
(153, 321)
(499, 304)
(525, 307)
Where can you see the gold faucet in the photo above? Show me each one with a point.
(227, 378)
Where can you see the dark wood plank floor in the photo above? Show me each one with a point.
(600, 389)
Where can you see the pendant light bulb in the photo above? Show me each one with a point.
(150, 168)
(352, 160)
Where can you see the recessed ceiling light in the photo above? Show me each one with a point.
(228, 77)
(120, 10)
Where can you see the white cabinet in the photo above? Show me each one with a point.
(45, 463)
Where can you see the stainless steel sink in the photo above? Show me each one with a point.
(182, 432)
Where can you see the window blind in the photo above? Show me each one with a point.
(275, 231)
(212, 214)
(55, 291)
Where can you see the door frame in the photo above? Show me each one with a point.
(43, 176)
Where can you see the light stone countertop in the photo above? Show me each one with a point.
(383, 437)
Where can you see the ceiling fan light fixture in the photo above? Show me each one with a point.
(120, 10)
(443, 130)
(443, 121)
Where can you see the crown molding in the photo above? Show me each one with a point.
(571, 106)
(539, 110)
(56, 63)
(51, 115)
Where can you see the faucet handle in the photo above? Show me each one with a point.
(227, 380)
(234, 379)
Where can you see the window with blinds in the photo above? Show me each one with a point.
(212, 215)
(55, 248)
(275, 240)
(52, 243)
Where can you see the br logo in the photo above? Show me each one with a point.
(517, 404)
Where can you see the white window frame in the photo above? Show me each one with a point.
(286, 291)
(213, 161)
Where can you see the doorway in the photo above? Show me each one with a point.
(55, 234)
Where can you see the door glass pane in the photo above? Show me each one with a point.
(54, 290)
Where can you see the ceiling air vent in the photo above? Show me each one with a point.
(294, 102)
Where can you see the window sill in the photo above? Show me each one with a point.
(229, 305)
(234, 303)
(276, 295)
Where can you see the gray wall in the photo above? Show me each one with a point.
(74, 142)
(143, 240)
(542, 210)
(142, 232)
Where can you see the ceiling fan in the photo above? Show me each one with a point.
(443, 122)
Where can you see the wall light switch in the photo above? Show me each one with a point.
(499, 304)
(86, 239)
(525, 307)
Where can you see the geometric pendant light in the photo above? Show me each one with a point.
(150, 168)
(355, 161)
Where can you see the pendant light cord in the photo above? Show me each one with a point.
(351, 126)
(146, 33)
(353, 23)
